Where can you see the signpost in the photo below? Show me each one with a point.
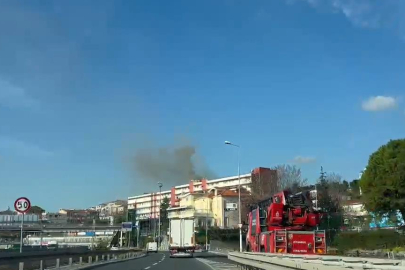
(126, 226)
(22, 205)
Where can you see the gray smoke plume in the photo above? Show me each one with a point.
(171, 166)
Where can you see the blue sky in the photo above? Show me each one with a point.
(84, 84)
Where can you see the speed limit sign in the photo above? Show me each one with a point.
(22, 205)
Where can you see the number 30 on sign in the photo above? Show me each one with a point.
(22, 205)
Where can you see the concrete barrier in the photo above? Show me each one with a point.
(278, 261)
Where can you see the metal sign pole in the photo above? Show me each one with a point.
(138, 234)
(21, 235)
(121, 238)
(22, 205)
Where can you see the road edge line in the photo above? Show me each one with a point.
(210, 266)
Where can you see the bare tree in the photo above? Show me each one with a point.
(336, 187)
(269, 182)
(290, 178)
(331, 190)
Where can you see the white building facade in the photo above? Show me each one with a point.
(147, 205)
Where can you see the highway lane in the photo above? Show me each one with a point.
(162, 261)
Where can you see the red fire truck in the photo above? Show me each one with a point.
(285, 223)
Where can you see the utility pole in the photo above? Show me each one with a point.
(40, 233)
(21, 234)
(321, 181)
(94, 234)
(239, 201)
(206, 227)
(160, 209)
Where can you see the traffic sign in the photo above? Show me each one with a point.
(126, 226)
(22, 205)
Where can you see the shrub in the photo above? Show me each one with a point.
(369, 240)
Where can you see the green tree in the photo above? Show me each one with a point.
(383, 182)
(355, 188)
(102, 244)
(330, 189)
(119, 219)
(164, 220)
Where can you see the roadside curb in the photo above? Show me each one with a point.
(219, 253)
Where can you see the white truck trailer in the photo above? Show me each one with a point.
(182, 238)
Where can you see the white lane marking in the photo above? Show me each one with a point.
(155, 264)
(147, 267)
(218, 265)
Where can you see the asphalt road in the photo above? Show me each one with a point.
(162, 261)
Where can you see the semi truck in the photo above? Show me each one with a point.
(182, 237)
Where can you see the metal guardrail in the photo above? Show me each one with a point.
(83, 262)
(31, 252)
(277, 261)
(57, 226)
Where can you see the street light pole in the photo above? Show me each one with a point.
(160, 207)
(206, 226)
(239, 202)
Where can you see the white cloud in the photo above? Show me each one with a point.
(10, 146)
(304, 160)
(367, 13)
(379, 103)
(14, 96)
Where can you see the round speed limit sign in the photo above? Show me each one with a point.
(22, 205)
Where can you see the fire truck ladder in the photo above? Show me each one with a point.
(280, 241)
(263, 219)
(263, 206)
(320, 242)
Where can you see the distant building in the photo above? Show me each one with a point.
(218, 207)
(197, 206)
(354, 208)
(361, 173)
(108, 210)
(54, 218)
(147, 205)
(78, 215)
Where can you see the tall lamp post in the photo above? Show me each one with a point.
(239, 203)
(160, 207)
(206, 224)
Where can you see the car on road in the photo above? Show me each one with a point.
(151, 247)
